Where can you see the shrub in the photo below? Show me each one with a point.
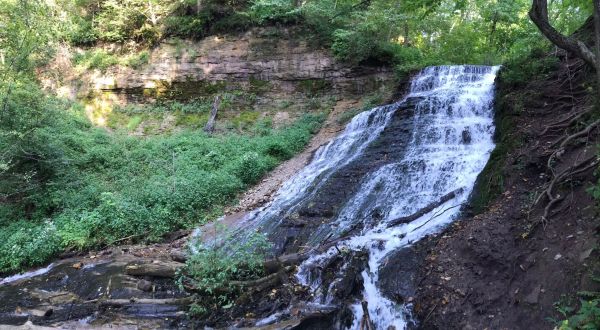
(94, 189)
(352, 46)
(587, 317)
(95, 59)
(519, 71)
(212, 269)
(137, 60)
(274, 11)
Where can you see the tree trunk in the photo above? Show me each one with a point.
(539, 15)
(210, 125)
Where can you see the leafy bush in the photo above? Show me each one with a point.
(137, 60)
(587, 317)
(101, 59)
(211, 270)
(91, 189)
(352, 46)
(519, 71)
(95, 59)
(274, 11)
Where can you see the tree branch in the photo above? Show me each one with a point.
(539, 15)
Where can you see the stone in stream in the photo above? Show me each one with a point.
(144, 285)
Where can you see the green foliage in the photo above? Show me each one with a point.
(24, 244)
(587, 317)
(274, 11)
(211, 270)
(409, 34)
(95, 59)
(313, 87)
(88, 189)
(137, 60)
(519, 71)
(101, 59)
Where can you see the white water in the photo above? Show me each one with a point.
(361, 131)
(27, 275)
(450, 145)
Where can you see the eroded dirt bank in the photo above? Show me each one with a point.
(512, 265)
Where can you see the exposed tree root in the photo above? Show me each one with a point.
(566, 122)
(582, 133)
(579, 168)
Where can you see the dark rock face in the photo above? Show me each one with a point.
(330, 195)
(398, 277)
(71, 290)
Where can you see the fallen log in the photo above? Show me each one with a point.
(366, 323)
(270, 265)
(126, 302)
(255, 285)
(162, 269)
(178, 256)
(426, 209)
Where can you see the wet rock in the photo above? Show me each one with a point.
(144, 285)
(466, 136)
(398, 277)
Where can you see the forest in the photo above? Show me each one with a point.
(72, 183)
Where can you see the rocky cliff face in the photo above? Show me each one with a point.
(275, 64)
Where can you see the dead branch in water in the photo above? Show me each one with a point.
(426, 209)
(366, 323)
(163, 269)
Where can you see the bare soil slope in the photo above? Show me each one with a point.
(534, 246)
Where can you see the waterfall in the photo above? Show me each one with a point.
(448, 143)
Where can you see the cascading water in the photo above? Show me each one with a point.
(448, 144)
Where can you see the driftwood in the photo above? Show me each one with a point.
(426, 209)
(210, 125)
(270, 265)
(366, 323)
(126, 302)
(163, 269)
(178, 256)
(254, 285)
